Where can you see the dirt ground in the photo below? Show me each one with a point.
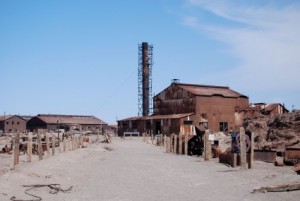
(131, 170)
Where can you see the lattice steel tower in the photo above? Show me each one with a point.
(145, 57)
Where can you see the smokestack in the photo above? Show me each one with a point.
(145, 80)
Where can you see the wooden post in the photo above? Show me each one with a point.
(167, 144)
(47, 144)
(180, 144)
(175, 144)
(172, 143)
(64, 144)
(234, 160)
(16, 148)
(70, 144)
(207, 146)
(251, 162)
(186, 144)
(78, 143)
(152, 137)
(53, 144)
(165, 141)
(29, 147)
(60, 147)
(243, 149)
(39, 144)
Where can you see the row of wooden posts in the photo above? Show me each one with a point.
(171, 146)
(178, 144)
(67, 144)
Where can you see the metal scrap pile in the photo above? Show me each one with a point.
(277, 132)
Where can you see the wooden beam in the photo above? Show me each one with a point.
(278, 188)
(243, 148)
(251, 162)
(207, 146)
(16, 148)
(180, 144)
(39, 143)
(29, 147)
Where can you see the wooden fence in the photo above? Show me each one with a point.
(45, 145)
(178, 144)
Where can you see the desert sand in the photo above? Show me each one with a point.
(132, 170)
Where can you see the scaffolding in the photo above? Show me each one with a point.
(145, 63)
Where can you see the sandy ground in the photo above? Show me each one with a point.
(131, 170)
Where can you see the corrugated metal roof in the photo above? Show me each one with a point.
(209, 90)
(169, 116)
(69, 119)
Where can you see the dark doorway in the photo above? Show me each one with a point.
(157, 127)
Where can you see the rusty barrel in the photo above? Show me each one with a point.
(216, 152)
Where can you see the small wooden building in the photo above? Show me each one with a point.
(12, 123)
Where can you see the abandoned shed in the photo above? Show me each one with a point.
(190, 105)
(12, 123)
(261, 109)
(52, 122)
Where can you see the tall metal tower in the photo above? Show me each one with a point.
(145, 57)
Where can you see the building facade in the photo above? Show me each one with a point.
(212, 106)
(12, 123)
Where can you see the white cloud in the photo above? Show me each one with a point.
(265, 38)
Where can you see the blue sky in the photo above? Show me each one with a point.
(81, 56)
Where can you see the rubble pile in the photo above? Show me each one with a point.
(275, 132)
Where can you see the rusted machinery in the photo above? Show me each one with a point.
(291, 156)
(195, 146)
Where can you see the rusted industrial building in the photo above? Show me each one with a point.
(52, 122)
(181, 107)
(12, 123)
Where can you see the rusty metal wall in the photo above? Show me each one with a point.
(218, 109)
(174, 100)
